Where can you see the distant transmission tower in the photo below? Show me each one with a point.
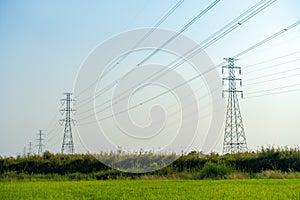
(24, 151)
(67, 145)
(40, 142)
(30, 148)
(234, 136)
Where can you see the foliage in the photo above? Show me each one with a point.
(215, 171)
(191, 166)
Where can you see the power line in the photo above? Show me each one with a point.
(264, 41)
(180, 31)
(275, 79)
(226, 30)
(269, 60)
(233, 22)
(204, 96)
(277, 88)
(147, 34)
(194, 51)
(53, 129)
(273, 74)
(271, 66)
(52, 120)
(170, 39)
(246, 94)
(274, 93)
(207, 71)
(245, 19)
(268, 39)
(172, 10)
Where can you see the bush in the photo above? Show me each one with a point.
(214, 171)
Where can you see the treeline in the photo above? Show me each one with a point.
(285, 160)
(50, 163)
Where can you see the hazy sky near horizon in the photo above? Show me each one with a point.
(44, 43)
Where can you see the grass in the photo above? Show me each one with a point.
(153, 189)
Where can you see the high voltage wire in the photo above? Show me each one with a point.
(258, 82)
(231, 23)
(204, 96)
(107, 106)
(172, 10)
(268, 39)
(165, 43)
(192, 52)
(102, 91)
(52, 120)
(207, 71)
(53, 130)
(198, 99)
(264, 41)
(139, 42)
(52, 126)
(242, 53)
(143, 7)
(147, 34)
(242, 21)
(210, 38)
(180, 31)
(277, 88)
(274, 93)
(285, 30)
(139, 104)
(271, 66)
(259, 77)
(272, 59)
(275, 79)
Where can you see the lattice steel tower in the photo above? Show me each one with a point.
(67, 145)
(30, 148)
(40, 142)
(234, 136)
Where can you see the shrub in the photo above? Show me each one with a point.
(214, 171)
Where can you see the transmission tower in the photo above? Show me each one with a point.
(30, 148)
(24, 151)
(67, 145)
(40, 142)
(234, 136)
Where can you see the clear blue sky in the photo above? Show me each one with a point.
(43, 44)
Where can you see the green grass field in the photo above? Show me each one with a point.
(153, 189)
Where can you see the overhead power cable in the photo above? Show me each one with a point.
(274, 79)
(147, 34)
(272, 66)
(277, 88)
(268, 39)
(273, 93)
(186, 26)
(172, 10)
(180, 31)
(194, 51)
(273, 74)
(263, 41)
(272, 59)
(207, 71)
